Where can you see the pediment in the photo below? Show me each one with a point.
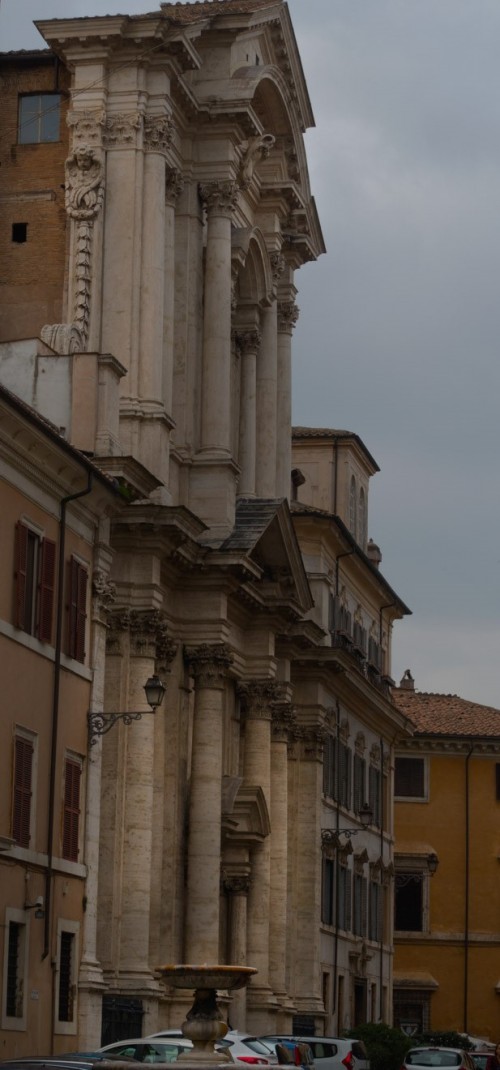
(249, 817)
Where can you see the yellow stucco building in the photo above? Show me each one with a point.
(447, 813)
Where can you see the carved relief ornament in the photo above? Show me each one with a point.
(257, 697)
(313, 743)
(247, 342)
(283, 722)
(288, 314)
(209, 664)
(219, 197)
(234, 885)
(86, 126)
(158, 133)
(103, 592)
(257, 148)
(120, 129)
(174, 185)
(278, 265)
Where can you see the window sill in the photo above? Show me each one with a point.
(45, 650)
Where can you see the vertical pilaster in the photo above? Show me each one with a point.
(308, 995)
(288, 314)
(267, 374)
(257, 697)
(173, 188)
(209, 665)
(236, 886)
(282, 722)
(248, 344)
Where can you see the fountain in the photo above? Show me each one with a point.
(204, 1025)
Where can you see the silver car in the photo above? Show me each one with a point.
(330, 1053)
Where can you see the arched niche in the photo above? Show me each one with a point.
(255, 280)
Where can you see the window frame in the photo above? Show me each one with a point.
(78, 584)
(71, 808)
(62, 1025)
(34, 580)
(425, 775)
(412, 867)
(38, 118)
(25, 736)
(13, 916)
(327, 890)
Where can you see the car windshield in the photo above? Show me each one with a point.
(433, 1058)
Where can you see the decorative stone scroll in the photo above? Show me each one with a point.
(257, 697)
(84, 196)
(210, 664)
(158, 133)
(288, 314)
(219, 196)
(174, 185)
(278, 265)
(103, 592)
(258, 148)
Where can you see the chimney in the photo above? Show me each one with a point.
(407, 682)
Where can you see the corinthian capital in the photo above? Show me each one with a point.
(147, 632)
(209, 663)
(288, 315)
(247, 342)
(257, 697)
(219, 197)
(158, 133)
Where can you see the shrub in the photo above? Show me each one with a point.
(386, 1047)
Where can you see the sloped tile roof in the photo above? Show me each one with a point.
(446, 715)
(187, 13)
(253, 516)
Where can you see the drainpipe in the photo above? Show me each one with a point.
(467, 888)
(55, 709)
(382, 815)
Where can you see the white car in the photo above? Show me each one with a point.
(329, 1053)
(241, 1047)
(438, 1057)
(149, 1049)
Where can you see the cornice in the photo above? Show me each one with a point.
(481, 747)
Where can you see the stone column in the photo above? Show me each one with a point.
(257, 696)
(135, 967)
(248, 344)
(173, 188)
(307, 892)
(267, 374)
(220, 200)
(209, 665)
(236, 887)
(282, 722)
(288, 314)
(90, 978)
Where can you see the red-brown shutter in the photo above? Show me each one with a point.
(46, 589)
(21, 816)
(78, 578)
(20, 563)
(71, 818)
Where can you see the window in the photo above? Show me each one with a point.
(327, 891)
(374, 785)
(412, 1011)
(359, 790)
(19, 233)
(409, 902)
(344, 899)
(71, 809)
(78, 579)
(23, 784)
(34, 575)
(66, 974)
(345, 768)
(329, 766)
(15, 968)
(409, 778)
(374, 914)
(362, 519)
(359, 903)
(39, 118)
(353, 506)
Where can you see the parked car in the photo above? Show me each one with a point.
(290, 1053)
(148, 1049)
(481, 1058)
(330, 1053)
(241, 1047)
(416, 1058)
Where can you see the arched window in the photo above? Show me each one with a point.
(353, 506)
(362, 519)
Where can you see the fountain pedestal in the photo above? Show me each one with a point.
(204, 1025)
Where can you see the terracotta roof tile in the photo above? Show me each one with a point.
(446, 715)
(186, 13)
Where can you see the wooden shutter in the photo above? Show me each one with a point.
(20, 567)
(46, 589)
(23, 766)
(71, 817)
(78, 578)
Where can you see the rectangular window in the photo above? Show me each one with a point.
(327, 891)
(15, 967)
(78, 579)
(71, 812)
(359, 789)
(22, 795)
(374, 784)
(375, 912)
(345, 775)
(66, 1008)
(344, 900)
(409, 902)
(39, 118)
(329, 766)
(359, 905)
(409, 778)
(14, 1003)
(34, 576)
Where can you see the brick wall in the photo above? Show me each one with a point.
(31, 193)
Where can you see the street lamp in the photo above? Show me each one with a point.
(331, 835)
(100, 723)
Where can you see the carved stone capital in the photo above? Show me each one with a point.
(174, 185)
(103, 592)
(86, 126)
(313, 742)
(278, 264)
(283, 722)
(288, 315)
(158, 133)
(248, 343)
(146, 627)
(257, 697)
(219, 198)
(118, 623)
(120, 129)
(210, 664)
(236, 885)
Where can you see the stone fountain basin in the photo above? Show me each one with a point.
(216, 977)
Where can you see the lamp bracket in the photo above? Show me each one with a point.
(100, 723)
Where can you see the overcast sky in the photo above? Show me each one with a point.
(399, 331)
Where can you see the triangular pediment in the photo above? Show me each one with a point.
(250, 822)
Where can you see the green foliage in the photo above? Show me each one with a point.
(386, 1047)
(449, 1039)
